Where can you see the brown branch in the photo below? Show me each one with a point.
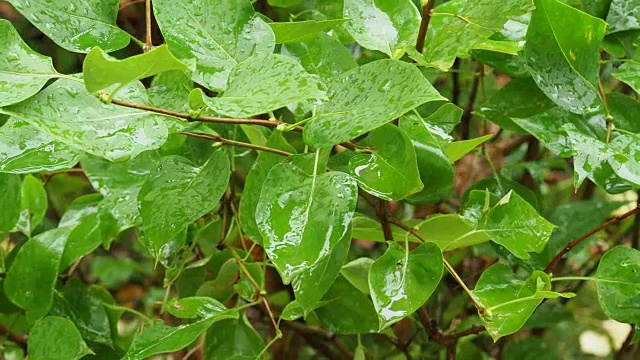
(149, 42)
(16, 338)
(441, 337)
(577, 241)
(424, 24)
(382, 212)
(465, 121)
(455, 78)
(319, 333)
(236, 143)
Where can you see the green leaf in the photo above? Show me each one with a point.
(55, 337)
(456, 150)
(262, 84)
(299, 31)
(219, 35)
(436, 171)
(393, 88)
(195, 307)
(451, 231)
(31, 279)
(178, 194)
(563, 56)
(71, 115)
(383, 25)
(618, 284)
(120, 184)
(349, 310)
(456, 27)
(323, 56)
(292, 209)
(390, 172)
(23, 72)
(520, 98)
(516, 225)
(232, 339)
(25, 149)
(84, 306)
(170, 90)
(10, 201)
(629, 72)
(92, 226)
(283, 3)
(255, 182)
(77, 26)
(623, 15)
(511, 300)
(357, 273)
(366, 228)
(625, 110)
(98, 64)
(401, 281)
(506, 47)
(34, 204)
(159, 338)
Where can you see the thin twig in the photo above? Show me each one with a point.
(424, 24)
(577, 241)
(439, 336)
(148, 42)
(236, 143)
(635, 235)
(455, 78)
(465, 121)
(608, 116)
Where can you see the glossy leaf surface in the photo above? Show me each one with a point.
(76, 26)
(383, 25)
(23, 72)
(623, 15)
(618, 283)
(71, 115)
(180, 193)
(629, 72)
(565, 63)
(392, 88)
(451, 231)
(122, 72)
(261, 84)
(390, 172)
(218, 34)
(55, 337)
(299, 31)
(401, 281)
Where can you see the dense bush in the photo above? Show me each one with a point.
(287, 179)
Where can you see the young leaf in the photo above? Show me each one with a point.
(299, 31)
(179, 194)
(23, 72)
(10, 201)
(303, 217)
(393, 88)
(618, 284)
(262, 84)
(390, 172)
(563, 55)
(71, 115)
(34, 204)
(255, 182)
(76, 26)
(219, 35)
(451, 231)
(456, 150)
(401, 281)
(102, 71)
(357, 273)
(383, 25)
(508, 300)
(232, 339)
(322, 55)
(516, 225)
(31, 279)
(55, 337)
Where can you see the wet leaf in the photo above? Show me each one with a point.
(383, 25)
(34, 204)
(516, 225)
(623, 15)
(25, 149)
(71, 115)
(76, 26)
(261, 84)
(389, 172)
(178, 194)
(122, 72)
(401, 281)
(629, 72)
(219, 35)
(366, 98)
(618, 284)
(232, 339)
(299, 31)
(23, 72)
(564, 61)
(170, 90)
(10, 201)
(55, 337)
